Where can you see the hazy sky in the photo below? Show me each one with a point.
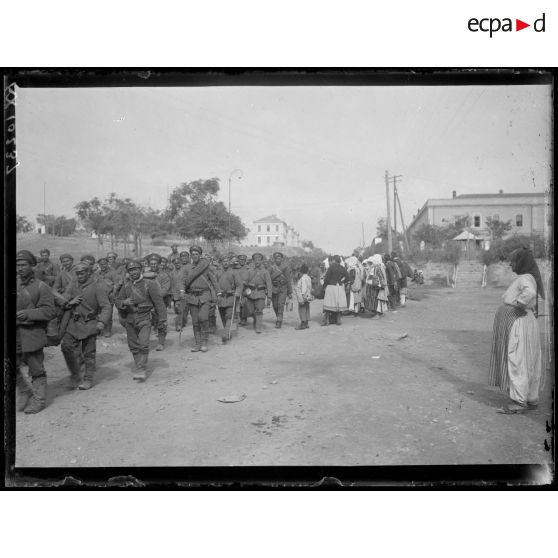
(315, 156)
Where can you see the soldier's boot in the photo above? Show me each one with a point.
(161, 342)
(141, 365)
(197, 339)
(306, 326)
(108, 332)
(74, 364)
(37, 402)
(279, 321)
(204, 338)
(87, 382)
(225, 336)
(303, 325)
(23, 392)
(258, 323)
(325, 319)
(213, 324)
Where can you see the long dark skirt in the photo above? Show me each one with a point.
(503, 322)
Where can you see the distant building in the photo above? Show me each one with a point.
(527, 212)
(273, 231)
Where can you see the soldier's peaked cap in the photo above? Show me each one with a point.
(196, 249)
(155, 257)
(66, 257)
(82, 266)
(257, 255)
(102, 260)
(275, 254)
(184, 253)
(27, 256)
(134, 263)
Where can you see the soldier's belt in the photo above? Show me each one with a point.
(260, 288)
(228, 293)
(197, 292)
(85, 317)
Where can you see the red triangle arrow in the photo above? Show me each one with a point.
(519, 25)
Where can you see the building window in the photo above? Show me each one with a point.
(496, 217)
(519, 220)
(276, 228)
(276, 238)
(269, 239)
(476, 221)
(268, 228)
(259, 228)
(259, 239)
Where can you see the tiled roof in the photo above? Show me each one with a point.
(270, 219)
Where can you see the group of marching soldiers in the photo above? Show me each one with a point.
(71, 304)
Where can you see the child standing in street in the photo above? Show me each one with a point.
(303, 292)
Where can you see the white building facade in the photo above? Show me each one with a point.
(273, 231)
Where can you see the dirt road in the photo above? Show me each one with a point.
(409, 388)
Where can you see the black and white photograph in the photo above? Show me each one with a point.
(281, 273)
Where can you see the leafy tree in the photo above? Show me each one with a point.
(196, 213)
(23, 225)
(307, 244)
(497, 228)
(57, 225)
(431, 235)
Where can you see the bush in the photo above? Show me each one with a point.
(158, 242)
(501, 249)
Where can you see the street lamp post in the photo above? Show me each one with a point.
(239, 174)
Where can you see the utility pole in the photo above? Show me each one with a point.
(403, 224)
(388, 219)
(395, 206)
(44, 207)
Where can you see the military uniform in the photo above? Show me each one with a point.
(136, 317)
(63, 279)
(46, 272)
(110, 280)
(163, 280)
(80, 337)
(282, 288)
(35, 299)
(242, 271)
(257, 287)
(181, 309)
(200, 291)
(229, 288)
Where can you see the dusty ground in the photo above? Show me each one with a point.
(313, 397)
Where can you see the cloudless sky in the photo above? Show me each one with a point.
(315, 156)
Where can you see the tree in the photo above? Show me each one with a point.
(307, 244)
(23, 225)
(190, 193)
(196, 213)
(57, 225)
(497, 228)
(431, 235)
(92, 216)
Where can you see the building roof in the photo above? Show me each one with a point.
(465, 235)
(270, 219)
(527, 198)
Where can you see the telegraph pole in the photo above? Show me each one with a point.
(388, 219)
(395, 206)
(403, 224)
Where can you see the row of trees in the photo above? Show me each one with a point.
(193, 213)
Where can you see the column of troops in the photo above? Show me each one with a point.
(70, 304)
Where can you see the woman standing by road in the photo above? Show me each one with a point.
(335, 300)
(515, 359)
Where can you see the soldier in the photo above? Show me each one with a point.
(174, 255)
(280, 274)
(392, 276)
(46, 271)
(164, 281)
(90, 261)
(66, 273)
(230, 289)
(184, 258)
(257, 287)
(200, 289)
(180, 307)
(136, 300)
(35, 308)
(165, 266)
(109, 278)
(242, 271)
(90, 313)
